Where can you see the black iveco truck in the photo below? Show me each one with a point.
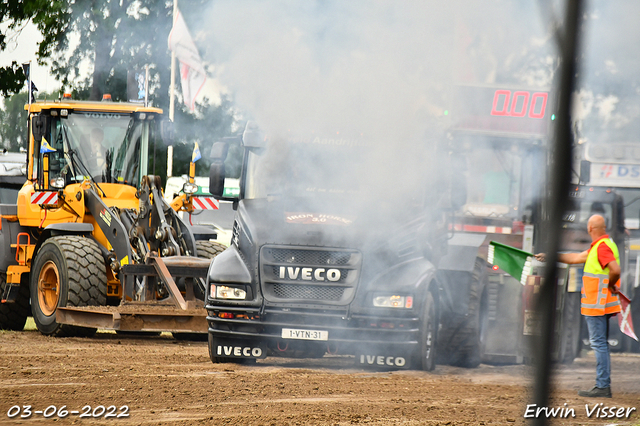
(330, 256)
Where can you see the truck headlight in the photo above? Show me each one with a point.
(393, 301)
(224, 292)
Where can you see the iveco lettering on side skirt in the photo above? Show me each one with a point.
(327, 257)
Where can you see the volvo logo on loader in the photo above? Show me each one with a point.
(309, 274)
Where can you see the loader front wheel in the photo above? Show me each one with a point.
(67, 271)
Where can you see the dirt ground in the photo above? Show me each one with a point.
(161, 381)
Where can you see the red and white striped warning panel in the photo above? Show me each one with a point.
(483, 229)
(44, 197)
(204, 203)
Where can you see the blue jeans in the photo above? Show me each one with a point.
(598, 337)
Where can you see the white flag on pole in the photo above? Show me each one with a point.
(192, 73)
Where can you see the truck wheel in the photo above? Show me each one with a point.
(13, 316)
(206, 250)
(209, 249)
(425, 358)
(67, 271)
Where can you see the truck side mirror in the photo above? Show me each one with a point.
(585, 171)
(252, 137)
(218, 154)
(38, 127)
(167, 132)
(216, 179)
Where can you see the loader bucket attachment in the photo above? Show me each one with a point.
(175, 313)
(135, 317)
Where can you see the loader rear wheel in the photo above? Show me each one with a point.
(67, 271)
(206, 250)
(13, 316)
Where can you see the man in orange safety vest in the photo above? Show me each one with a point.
(600, 285)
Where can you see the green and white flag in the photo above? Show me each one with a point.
(513, 261)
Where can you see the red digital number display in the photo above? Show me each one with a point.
(500, 111)
(519, 103)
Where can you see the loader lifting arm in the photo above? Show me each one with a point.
(154, 252)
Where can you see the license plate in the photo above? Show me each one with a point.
(294, 333)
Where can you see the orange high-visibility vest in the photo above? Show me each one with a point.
(597, 300)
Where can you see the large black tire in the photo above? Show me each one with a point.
(67, 271)
(13, 316)
(462, 342)
(425, 357)
(570, 332)
(206, 250)
(209, 249)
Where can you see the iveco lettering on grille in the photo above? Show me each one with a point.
(308, 274)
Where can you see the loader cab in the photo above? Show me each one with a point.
(84, 141)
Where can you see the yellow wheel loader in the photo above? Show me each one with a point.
(91, 241)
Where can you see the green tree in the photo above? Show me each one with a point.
(116, 36)
(13, 121)
(13, 130)
(210, 124)
(51, 19)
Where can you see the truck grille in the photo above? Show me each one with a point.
(307, 292)
(313, 275)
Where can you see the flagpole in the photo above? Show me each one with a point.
(146, 85)
(29, 88)
(172, 95)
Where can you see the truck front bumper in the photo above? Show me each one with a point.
(367, 335)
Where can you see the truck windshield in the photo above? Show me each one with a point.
(340, 174)
(110, 147)
(301, 170)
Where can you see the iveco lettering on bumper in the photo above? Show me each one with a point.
(309, 274)
(239, 351)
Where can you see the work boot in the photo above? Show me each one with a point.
(596, 392)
